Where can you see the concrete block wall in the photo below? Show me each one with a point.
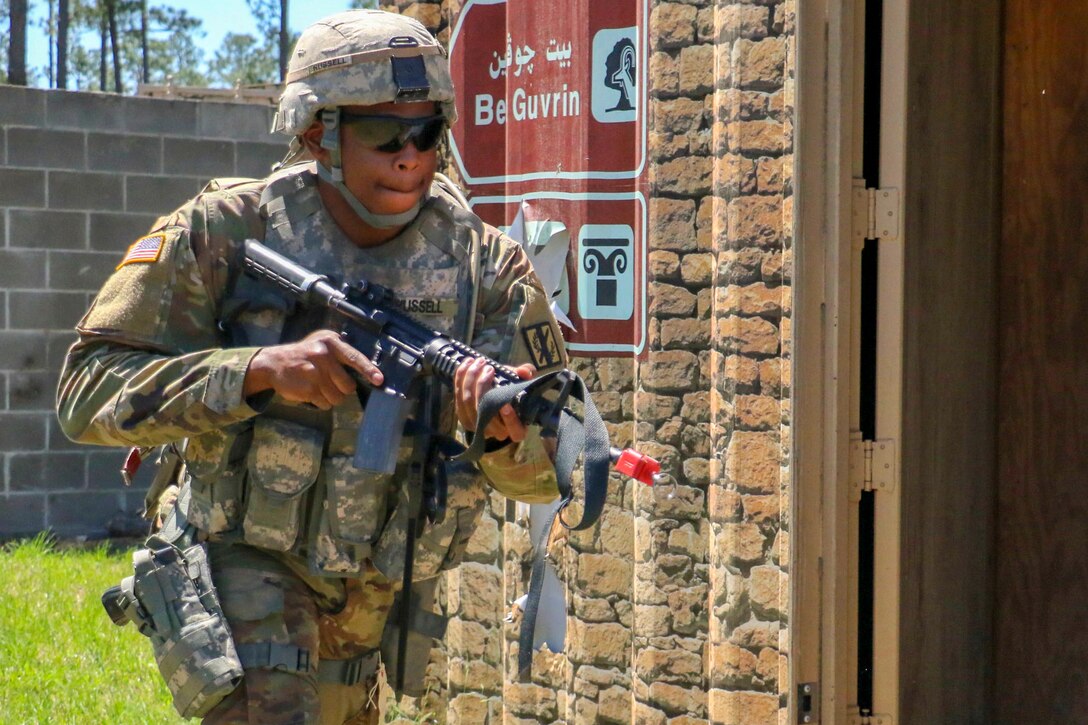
(82, 175)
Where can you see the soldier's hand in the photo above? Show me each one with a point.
(316, 369)
(470, 381)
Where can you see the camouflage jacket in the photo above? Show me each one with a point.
(163, 351)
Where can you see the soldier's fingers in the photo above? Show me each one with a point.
(356, 360)
(515, 429)
(526, 371)
(468, 398)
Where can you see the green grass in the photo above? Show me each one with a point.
(61, 659)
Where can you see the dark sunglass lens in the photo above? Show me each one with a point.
(428, 135)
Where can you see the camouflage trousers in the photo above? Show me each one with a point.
(266, 602)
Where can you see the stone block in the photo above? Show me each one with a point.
(748, 335)
(769, 592)
(197, 157)
(684, 176)
(480, 593)
(742, 708)
(22, 188)
(696, 471)
(21, 514)
(670, 371)
(617, 532)
(614, 705)
(668, 300)
(682, 334)
(602, 575)
(697, 270)
(753, 462)
(742, 21)
(606, 643)
(675, 699)
(47, 229)
(45, 310)
(530, 700)
(697, 69)
(753, 138)
(758, 412)
(664, 75)
(158, 194)
(673, 25)
(759, 65)
(116, 231)
(668, 665)
(43, 148)
(743, 543)
(85, 190)
(672, 225)
(22, 269)
(22, 431)
(124, 152)
(677, 116)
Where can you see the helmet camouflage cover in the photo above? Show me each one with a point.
(362, 57)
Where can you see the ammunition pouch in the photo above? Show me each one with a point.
(171, 600)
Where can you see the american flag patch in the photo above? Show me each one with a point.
(145, 249)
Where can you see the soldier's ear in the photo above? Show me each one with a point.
(311, 140)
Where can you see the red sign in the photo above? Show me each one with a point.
(598, 277)
(549, 90)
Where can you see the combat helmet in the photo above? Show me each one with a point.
(361, 57)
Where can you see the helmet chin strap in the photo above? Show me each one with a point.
(330, 141)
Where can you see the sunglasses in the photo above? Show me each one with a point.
(390, 134)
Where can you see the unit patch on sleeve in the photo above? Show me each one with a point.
(146, 249)
(542, 345)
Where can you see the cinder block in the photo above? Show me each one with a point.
(47, 472)
(22, 269)
(80, 270)
(160, 116)
(32, 310)
(22, 187)
(90, 111)
(24, 106)
(241, 121)
(22, 350)
(114, 232)
(256, 159)
(85, 190)
(21, 514)
(32, 391)
(47, 229)
(195, 157)
(88, 513)
(22, 431)
(128, 152)
(45, 148)
(159, 194)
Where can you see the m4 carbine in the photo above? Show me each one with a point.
(406, 350)
(411, 357)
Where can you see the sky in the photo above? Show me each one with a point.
(220, 17)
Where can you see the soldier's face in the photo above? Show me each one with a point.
(387, 181)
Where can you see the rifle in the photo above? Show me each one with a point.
(408, 353)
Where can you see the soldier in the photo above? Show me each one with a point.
(259, 399)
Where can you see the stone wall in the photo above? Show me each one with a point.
(677, 600)
(83, 175)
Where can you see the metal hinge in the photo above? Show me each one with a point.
(808, 703)
(875, 213)
(858, 719)
(872, 466)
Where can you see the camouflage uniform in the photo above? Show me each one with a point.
(306, 551)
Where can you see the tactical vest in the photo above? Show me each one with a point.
(284, 480)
